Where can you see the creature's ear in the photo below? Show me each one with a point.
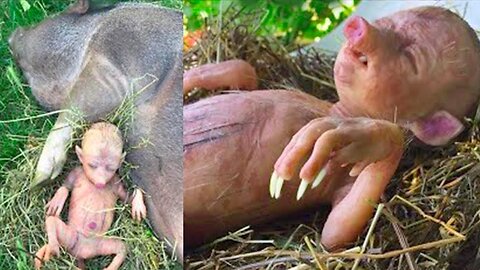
(437, 129)
(79, 152)
(80, 7)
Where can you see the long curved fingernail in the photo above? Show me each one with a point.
(278, 187)
(320, 177)
(273, 183)
(301, 189)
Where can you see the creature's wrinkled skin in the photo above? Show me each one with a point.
(401, 72)
(95, 188)
(88, 61)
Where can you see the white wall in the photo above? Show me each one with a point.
(373, 9)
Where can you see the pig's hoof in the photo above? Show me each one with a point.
(52, 159)
(49, 167)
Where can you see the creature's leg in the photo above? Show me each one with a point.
(58, 234)
(233, 74)
(108, 246)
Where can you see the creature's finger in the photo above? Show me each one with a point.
(57, 212)
(278, 187)
(51, 210)
(304, 144)
(319, 178)
(46, 258)
(273, 184)
(322, 150)
(301, 189)
(291, 144)
(358, 168)
(39, 257)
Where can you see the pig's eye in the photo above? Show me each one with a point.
(92, 166)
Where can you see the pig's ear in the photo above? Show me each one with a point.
(79, 152)
(437, 129)
(80, 7)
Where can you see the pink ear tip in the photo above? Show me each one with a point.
(355, 28)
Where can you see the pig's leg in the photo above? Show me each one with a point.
(59, 234)
(100, 88)
(232, 74)
(54, 154)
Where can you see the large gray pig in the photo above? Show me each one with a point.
(88, 61)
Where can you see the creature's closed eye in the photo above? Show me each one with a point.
(92, 166)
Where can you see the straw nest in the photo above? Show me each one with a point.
(428, 217)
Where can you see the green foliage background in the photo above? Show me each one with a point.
(292, 21)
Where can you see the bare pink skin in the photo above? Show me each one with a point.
(95, 187)
(417, 62)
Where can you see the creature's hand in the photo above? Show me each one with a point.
(355, 141)
(139, 211)
(53, 155)
(55, 205)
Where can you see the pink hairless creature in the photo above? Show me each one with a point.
(95, 188)
(415, 70)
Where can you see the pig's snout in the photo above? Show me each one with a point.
(18, 33)
(361, 35)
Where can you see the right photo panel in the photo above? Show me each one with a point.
(338, 134)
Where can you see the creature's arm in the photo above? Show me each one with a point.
(139, 210)
(55, 205)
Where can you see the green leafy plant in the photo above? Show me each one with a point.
(291, 21)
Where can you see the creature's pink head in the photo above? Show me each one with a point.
(101, 153)
(420, 67)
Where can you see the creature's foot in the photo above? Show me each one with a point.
(80, 264)
(45, 253)
(53, 155)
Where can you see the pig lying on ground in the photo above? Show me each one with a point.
(416, 70)
(95, 188)
(90, 61)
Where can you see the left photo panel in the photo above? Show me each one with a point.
(91, 144)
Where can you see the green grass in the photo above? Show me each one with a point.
(23, 129)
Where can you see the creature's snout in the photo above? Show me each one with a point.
(100, 185)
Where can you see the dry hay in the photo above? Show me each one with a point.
(429, 215)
